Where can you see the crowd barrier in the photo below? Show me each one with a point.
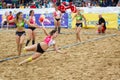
(111, 15)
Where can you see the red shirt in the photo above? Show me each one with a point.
(10, 17)
(32, 6)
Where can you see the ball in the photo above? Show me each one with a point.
(42, 18)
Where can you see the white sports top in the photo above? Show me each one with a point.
(32, 19)
(57, 13)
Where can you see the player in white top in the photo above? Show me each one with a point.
(57, 19)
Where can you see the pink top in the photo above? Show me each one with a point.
(32, 19)
(49, 41)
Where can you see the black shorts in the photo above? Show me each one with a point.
(20, 33)
(57, 19)
(5, 23)
(32, 28)
(39, 49)
(79, 24)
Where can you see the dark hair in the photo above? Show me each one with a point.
(10, 12)
(30, 12)
(17, 15)
(52, 32)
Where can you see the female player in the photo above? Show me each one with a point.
(20, 31)
(57, 19)
(31, 32)
(40, 48)
(79, 19)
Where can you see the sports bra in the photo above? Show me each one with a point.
(48, 40)
(57, 13)
(32, 19)
(20, 24)
(79, 17)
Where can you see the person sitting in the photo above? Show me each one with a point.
(33, 6)
(101, 25)
(10, 17)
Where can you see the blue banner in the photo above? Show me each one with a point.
(49, 16)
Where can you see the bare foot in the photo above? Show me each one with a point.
(20, 64)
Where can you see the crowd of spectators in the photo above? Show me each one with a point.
(24, 4)
(47, 3)
(96, 3)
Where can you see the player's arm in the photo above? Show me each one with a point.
(11, 21)
(74, 16)
(57, 50)
(45, 31)
(32, 25)
(84, 20)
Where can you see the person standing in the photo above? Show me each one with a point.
(31, 30)
(79, 24)
(57, 19)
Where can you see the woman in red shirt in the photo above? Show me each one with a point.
(10, 17)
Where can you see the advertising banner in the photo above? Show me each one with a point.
(92, 19)
(48, 13)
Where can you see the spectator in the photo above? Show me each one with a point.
(4, 5)
(104, 3)
(37, 3)
(27, 6)
(41, 2)
(51, 4)
(21, 6)
(27, 2)
(100, 2)
(118, 3)
(40, 5)
(45, 3)
(97, 4)
(114, 3)
(83, 4)
(14, 6)
(10, 17)
(0, 4)
(94, 2)
(21, 1)
(9, 3)
(109, 2)
(33, 5)
(87, 3)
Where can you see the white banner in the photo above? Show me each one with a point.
(26, 11)
(50, 10)
(100, 9)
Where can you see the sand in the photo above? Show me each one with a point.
(98, 60)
